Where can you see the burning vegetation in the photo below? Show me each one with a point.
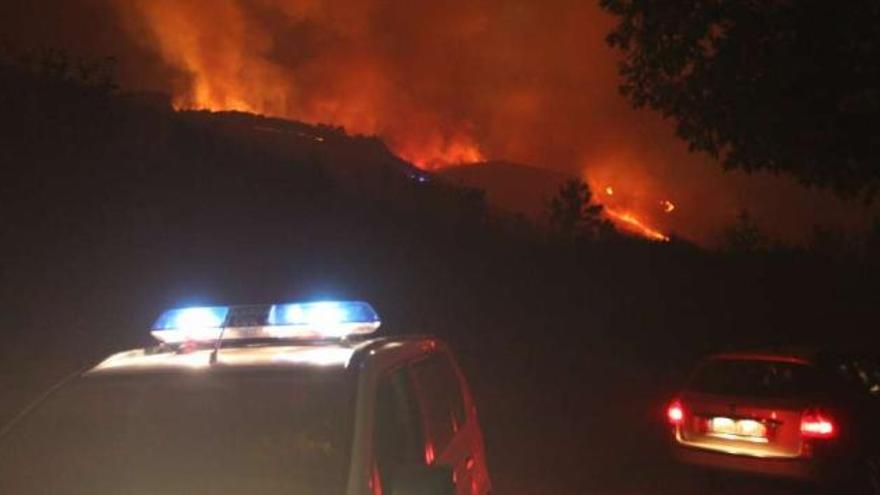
(631, 223)
(631, 201)
(311, 62)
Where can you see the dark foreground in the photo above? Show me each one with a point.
(571, 379)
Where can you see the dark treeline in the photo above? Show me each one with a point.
(114, 206)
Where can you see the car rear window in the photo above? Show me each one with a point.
(754, 378)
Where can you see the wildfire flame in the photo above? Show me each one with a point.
(229, 60)
(630, 222)
(438, 151)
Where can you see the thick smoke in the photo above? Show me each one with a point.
(447, 82)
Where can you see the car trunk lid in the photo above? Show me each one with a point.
(741, 425)
(748, 407)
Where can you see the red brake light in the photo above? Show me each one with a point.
(675, 413)
(817, 425)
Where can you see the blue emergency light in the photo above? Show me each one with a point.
(298, 320)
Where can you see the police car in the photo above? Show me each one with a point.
(810, 415)
(297, 398)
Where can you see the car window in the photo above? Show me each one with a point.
(399, 440)
(173, 433)
(441, 399)
(755, 378)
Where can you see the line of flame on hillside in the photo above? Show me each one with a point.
(628, 221)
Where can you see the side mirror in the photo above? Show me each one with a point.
(422, 480)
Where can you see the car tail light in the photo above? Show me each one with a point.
(675, 413)
(815, 424)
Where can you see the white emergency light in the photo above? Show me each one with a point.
(299, 320)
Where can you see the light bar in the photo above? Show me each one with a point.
(301, 320)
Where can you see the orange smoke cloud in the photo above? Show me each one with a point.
(456, 82)
(225, 73)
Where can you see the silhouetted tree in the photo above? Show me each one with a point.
(775, 85)
(745, 236)
(573, 215)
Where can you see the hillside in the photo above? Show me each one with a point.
(511, 187)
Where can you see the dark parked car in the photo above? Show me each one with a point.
(807, 415)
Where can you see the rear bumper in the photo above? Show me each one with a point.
(798, 469)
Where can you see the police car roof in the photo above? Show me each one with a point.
(274, 355)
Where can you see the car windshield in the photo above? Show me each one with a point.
(223, 432)
(754, 378)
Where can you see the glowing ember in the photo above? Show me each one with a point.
(668, 206)
(609, 191)
(631, 223)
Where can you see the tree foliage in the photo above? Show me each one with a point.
(779, 85)
(573, 214)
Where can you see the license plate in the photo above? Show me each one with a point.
(745, 429)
